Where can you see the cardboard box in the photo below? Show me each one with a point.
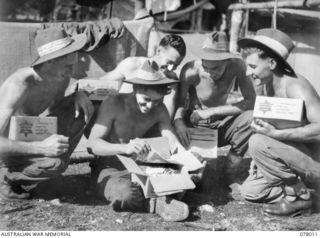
(27, 128)
(204, 141)
(160, 184)
(280, 112)
(99, 89)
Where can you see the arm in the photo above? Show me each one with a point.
(170, 100)
(123, 68)
(308, 133)
(180, 127)
(19, 84)
(167, 130)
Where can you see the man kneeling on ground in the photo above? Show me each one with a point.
(284, 160)
(122, 120)
(29, 92)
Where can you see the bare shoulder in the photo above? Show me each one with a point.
(23, 76)
(190, 71)
(17, 84)
(132, 63)
(113, 103)
(237, 64)
(161, 113)
(300, 87)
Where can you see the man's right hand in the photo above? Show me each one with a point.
(137, 147)
(183, 133)
(54, 145)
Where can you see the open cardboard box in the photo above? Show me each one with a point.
(162, 184)
(280, 112)
(30, 128)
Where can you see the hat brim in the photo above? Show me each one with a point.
(78, 43)
(210, 54)
(142, 81)
(248, 42)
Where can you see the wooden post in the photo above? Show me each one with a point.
(237, 18)
(270, 4)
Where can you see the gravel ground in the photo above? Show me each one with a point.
(69, 203)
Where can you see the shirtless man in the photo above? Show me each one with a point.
(209, 82)
(121, 122)
(29, 92)
(169, 55)
(283, 159)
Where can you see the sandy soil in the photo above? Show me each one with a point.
(69, 202)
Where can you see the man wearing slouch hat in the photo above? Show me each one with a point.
(31, 91)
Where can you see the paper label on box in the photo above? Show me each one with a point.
(281, 112)
(204, 141)
(99, 89)
(27, 128)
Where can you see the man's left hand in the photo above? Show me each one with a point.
(82, 102)
(262, 127)
(198, 115)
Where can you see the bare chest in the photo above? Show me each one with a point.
(213, 92)
(132, 126)
(39, 98)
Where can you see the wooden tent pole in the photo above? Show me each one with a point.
(274, 17)
(281, 4)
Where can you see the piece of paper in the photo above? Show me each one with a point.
(204, 142)
(188, 160)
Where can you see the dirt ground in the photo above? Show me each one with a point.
(69, 203)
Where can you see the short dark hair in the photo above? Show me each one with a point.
(161, 89)
(250, 50)
(175, 42)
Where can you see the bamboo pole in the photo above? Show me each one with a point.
(303, 13)
(274, 17)
(237, 18)
(269, 4)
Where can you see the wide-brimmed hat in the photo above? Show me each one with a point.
(55, 42)
(215, 47)
(274, 41)
(147, 75)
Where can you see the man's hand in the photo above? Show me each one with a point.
(182, 132)
(262, 127)
(53, 146)
(82, 102)
(198, 115)
(137, 147)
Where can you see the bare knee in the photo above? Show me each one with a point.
(123, 194)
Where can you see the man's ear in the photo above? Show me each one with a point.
(273, 64)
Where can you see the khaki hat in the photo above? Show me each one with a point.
(147, 75)
(272, 40)
(215, 47)
(55, 42)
